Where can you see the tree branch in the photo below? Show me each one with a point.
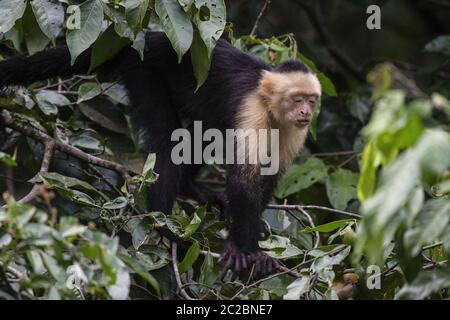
(28, 130)
(183, 292)
(49, 147)
(260, 16)
(318, 21)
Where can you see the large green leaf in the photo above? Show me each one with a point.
(176, 25)
(190, 257)
(50, 16)
(301, 176)
(49, 101)
(425, 284)
(10, 12)
(210, 20)
(57, 180)
(135, 11)
(201, 62)
(341, 187)
(297, 288)
(35, 39)
(91, 19)
(117, 15)
(140, 269)
(108, 45)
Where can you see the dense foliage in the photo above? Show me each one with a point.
(371, 216)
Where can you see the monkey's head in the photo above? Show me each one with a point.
(291, 93)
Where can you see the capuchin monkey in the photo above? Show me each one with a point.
(241, 92)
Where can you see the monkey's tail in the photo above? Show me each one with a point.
(55, 62)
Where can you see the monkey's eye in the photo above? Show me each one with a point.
(297, 98)
(312, 101)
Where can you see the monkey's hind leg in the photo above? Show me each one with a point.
(155, 119)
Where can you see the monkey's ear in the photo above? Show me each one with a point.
(267, 84)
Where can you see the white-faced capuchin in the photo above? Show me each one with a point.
(241, 92)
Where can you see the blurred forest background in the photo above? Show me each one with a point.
(363, 213)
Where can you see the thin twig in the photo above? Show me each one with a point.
(312, 207)
(183, 292)
(9, 174)
(260, 16)
(311, 222)
(335, 154)
(285, 271)
(49, 147)
(318, 20)
(430, 246)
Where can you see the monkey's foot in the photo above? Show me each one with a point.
(236, 260)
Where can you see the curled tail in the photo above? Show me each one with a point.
(20, 70)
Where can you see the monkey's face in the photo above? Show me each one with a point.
(291, 97)
(298, 109)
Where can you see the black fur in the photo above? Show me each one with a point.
(293, 66)
(162, 94)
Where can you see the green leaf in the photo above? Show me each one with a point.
(371, 159)
(118, 203)
(201, 62)
(139, 234)
(56, 180)
(297, 288)
(210, 20)
(329, 227)
(105, 114)
(193, 224)
(20, 214)
(425, 284)
(10, 12)
(139, 44)
(121, 287)
(430, 225)
(88, 90)
(325, 261)
(327, 86)
(35, 39)
(440, 44)
(8, 160)
(135, 11)
(176, 25)
(117, 15)
(88, 140)
(91, 19)
(395, 201)
(149, 164)
(190, 257)
(280, 247)
(69, 226)
(108, 45)
(341, 187)
(49, 101)
(53, 268)
(139, 268)
(50, 16)
(208, 271)
(116, 92)
(301, 176)
(35, 260)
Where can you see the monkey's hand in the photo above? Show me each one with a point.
(236, 260)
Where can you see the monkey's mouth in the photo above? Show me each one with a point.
(302, 122)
